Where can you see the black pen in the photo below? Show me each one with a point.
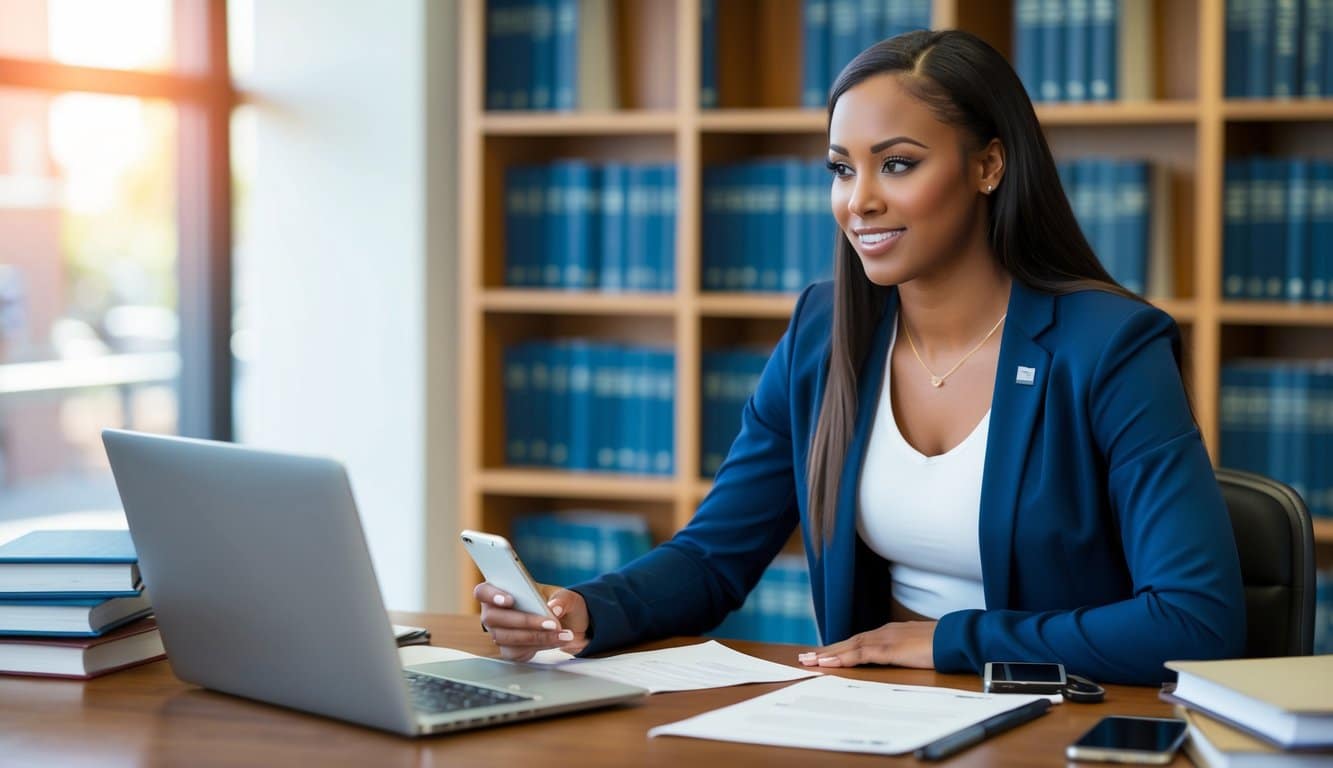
(975, 734)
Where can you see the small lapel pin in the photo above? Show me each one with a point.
(1025, 375)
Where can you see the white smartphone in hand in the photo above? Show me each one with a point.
(499, 565)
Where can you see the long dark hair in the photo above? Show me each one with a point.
(1032, 230)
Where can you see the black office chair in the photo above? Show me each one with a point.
(1275, 539)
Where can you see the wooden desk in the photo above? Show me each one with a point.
(145, 716)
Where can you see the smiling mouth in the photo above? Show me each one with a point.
(876, 238)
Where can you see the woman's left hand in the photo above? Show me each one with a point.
(901, 643)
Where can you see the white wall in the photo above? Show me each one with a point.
(340, 263)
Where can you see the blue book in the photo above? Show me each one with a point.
(1297, 270)
(815, 77)
(822, 228)
(1132, 241)
(499, 41)
(1286, 39)
(1260, 224)
(1230, 415)
(663, 435)
(605, 406)
(1052, 78)
(1078, 49)
(518, 233)
(1314, 27)
(767, 211)
(1235, 228)
(558, 415)
(713, 222)
(1028, 45)
(734, 227)
(1104, 33)
(1237, 46)
(844, 40)
(1260, 33)
(708, 54)
(561, 75)
(520, 54)
(614, 236)
(539, 408)
(638, 229)
(1273, 230)
(710, 397)
(69, 564)
(547, 66)
(1103, 210)
(666, 228)
(77, 617)
(517, 401)
(575, 241)
(555, 221)
(1327, 87)
(1303, 469)
(581, 414)
(1321, 231)
(790, 254)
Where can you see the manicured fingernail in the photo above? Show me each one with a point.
(809, 655)
(829, 661)
(498, 599)
(558, 610)
(550, 624)
(566, 635)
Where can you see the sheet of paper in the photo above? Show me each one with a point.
(843, 715)
(686, 668)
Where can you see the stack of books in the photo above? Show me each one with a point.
(1278, 49)
(1277, 235)
(551, 54)
(72, 605)
(1084, 50)
(1256, 712)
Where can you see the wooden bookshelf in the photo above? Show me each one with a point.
(1188, 127)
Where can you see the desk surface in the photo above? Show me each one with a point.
(145, 716)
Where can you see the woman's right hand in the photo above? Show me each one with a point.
(521, 635)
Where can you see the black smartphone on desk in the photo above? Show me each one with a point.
(1120, 739)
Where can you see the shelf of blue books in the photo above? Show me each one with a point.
(1277, 50)
(1277, 219)
(1090, 51)
(578, 55)
(584, 212)
(1276, 407)
(1132, 188)
(577, 394)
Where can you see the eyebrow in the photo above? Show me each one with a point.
(881, 146)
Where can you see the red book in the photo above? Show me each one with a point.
(138, 642)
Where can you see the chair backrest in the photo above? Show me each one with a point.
(1275, 539)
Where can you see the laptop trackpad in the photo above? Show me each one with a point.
(495, 673)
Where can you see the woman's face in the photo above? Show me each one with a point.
(906, 192)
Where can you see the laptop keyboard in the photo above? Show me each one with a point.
(434, 695)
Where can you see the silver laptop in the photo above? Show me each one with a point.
(263, 587)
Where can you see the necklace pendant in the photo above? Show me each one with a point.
(936, 381)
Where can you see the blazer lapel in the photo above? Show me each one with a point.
(842, 593)
(1020, 390)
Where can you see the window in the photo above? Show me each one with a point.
(115, 230)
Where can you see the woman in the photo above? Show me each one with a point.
(1022, 480)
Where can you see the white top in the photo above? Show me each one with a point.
(921, 512)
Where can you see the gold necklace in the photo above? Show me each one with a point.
(938, 381)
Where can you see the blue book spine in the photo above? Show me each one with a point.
(767, 211)
(734, 228)
(605, 406)
(1258, 228)
(1260, 31)
(1078, 49)
(559, 413)
(611, 270)
(546, 52)
(1324, 452)
(1321, 231)
(636, 208)
(1052, 50)
(711, 272)
(1101, 183)
(843, 37)
(710, 390)
(1027, 45)
(791, 253)
(752, 247)
(521, 54)
(1230, 416)
(664, 419)
(499, 39)
(1286, 39)
(580, 405)
(539, 410)
(1237, 44)
(517, 398)
(1297, 271)
(1327, 86)
(1133, 226)
(1302, 468)
(666, 212)
(644, 409)
(627, 421)
(1280, 463)
(815, 78)
(1104, 32)
(517, 234)
(708, 54)
(1314, 28)
(555, 212)
(1274, 225)
(1235, 228)
(578, 219)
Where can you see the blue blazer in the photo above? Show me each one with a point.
(1105, 542)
